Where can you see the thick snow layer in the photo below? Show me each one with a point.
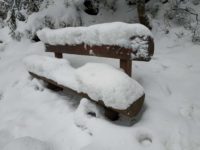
(104, 82)
(171, 116)
(99, 81)
(170, 120)
(56, 69)
(116, 33)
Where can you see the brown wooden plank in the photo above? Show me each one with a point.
(131, 111)
(126, 65)
(100, 51)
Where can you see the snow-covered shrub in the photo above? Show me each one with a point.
(2, 24)
(3, 9)
(17, 35)
(48, 22)
(182, 14)
(110, 4)
(11, 22)
(52, 15)
(153, 9)
(196, 2)
(27, 17)
(196, 35)
(20, 16)
(179, 16)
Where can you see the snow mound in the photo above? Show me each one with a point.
(99, 81)
(27, 143)
(115, 33)
(85, 111)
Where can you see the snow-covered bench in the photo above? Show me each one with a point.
(122, 41)
(103, 84)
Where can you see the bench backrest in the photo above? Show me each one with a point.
(118, 40)
(110, 51)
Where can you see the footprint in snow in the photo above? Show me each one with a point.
(144, 139)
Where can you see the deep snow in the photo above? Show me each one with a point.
(170, 119)
(57, 121)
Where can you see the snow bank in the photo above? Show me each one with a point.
(99, 81)
(116, 33)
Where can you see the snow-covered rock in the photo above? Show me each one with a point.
(99, 81)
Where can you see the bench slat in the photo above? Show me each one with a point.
(100, 51)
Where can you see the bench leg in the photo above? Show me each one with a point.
(126, 65)
(112, 115)
(58, 55)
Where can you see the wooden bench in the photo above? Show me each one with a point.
(125, 56)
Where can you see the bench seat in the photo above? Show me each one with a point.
(100, 83)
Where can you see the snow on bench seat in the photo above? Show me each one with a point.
(133, 36)
(100, 81)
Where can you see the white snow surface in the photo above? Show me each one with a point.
(99, 81)
(27, 143)
(170, 119)
(115, 33)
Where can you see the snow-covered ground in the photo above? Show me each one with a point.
(30, 113)
(35, 118)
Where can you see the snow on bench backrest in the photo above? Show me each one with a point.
(136, 37)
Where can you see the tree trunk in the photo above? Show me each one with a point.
(143, 18)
